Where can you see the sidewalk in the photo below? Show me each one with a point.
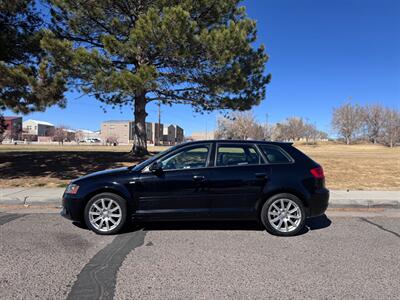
(31, 195)
(35, 196)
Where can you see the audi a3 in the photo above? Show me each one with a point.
(271, 182)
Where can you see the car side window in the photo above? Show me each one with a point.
(274, 155)
(233, 155)
(191, 158)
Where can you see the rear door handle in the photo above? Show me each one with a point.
(261, 175)
(199, 178)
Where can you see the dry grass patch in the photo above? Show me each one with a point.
(73, 147)
(357, 167)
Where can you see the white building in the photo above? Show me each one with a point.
(39, 128)
(172, 134)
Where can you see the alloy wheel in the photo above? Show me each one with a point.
(105, 214)
(284, 215)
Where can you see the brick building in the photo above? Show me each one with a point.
(116, 130)
(123, 131)
(14, 128)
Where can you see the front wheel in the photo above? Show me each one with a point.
(106, 213)
(283, 215)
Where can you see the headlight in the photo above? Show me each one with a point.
(72, 189)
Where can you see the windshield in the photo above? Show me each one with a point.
(148, 161)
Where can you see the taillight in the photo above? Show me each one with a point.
(318, 173)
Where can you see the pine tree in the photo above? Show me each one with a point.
(131, 52)
(27, 82)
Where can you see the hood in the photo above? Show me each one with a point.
(104, 173)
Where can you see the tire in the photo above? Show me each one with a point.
(288, 221)
(106, 213)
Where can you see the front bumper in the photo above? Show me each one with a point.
(318, 202)
(73, 207)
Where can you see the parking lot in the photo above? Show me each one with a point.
(341, 255)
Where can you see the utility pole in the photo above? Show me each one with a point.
(159, 122)
(206, 131)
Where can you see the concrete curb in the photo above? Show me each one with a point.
(32, 196)
(367, 199)
(338, 199)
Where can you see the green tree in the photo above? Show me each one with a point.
(27, 82)
(131, 52)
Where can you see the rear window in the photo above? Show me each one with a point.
(237, 155)
(274, 154)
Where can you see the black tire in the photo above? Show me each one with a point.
(269, 226)
(123, 209)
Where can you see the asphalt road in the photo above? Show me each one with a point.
(343, 255)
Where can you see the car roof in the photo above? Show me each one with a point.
(238, 142)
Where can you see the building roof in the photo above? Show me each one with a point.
(11, 118)
(39, 122)
(117, 121)
(85, 131)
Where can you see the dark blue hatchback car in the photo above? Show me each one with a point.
(204, 180)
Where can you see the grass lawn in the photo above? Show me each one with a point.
(355, 167)
(358, 167)
(55, 166)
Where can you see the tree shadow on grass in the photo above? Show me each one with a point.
(63, 165)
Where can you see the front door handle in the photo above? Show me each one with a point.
(199, 178)
(261, 175)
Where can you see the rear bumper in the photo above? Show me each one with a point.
(73, 207)
(318, 202)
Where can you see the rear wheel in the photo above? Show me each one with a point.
(106, 213)
(283, 214)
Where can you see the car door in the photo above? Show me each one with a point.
(180, 189)
(237, 180)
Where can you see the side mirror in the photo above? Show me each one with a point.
(156, 168)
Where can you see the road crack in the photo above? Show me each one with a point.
(381, 227)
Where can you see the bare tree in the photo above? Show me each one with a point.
(391, 127)
(347, 121)
(244, 126)
(292, 129)
(310, 132)
(280, 132)
(60, 134)
(295, 128)
(241, 125)
(268, 131)
(223, 130)
(112, 140)
(374, 121)
(79, 136)
(321, 135)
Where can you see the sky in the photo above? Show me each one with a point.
(321, 54)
